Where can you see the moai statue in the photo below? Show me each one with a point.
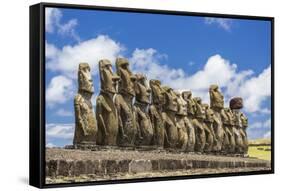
(181, 122)
(228, 123)
(209, 130)
(235, 105)
(169, 118)
(124, 105)
(85, 121)
(199, 125)
(243, 132)
(142, 101)
(189, 119)
(155, 113)
(106, 112)
(217, 104)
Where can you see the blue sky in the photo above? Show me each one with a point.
(184, 52)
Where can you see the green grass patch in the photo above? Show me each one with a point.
(260, 152)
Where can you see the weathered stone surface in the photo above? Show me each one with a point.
(236, 103)
(85, 121)
(198, 122)
(155, 113)
(52, 167)
(101, 163)
(112, 166)
(139, 166)
(190, 111)
(124, 104)
(106, 112)
(143, 122)
(169, 118)
(80, 168)
(181, 123)
(217, 104)
(63, 167)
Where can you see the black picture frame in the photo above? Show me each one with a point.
(37, 93)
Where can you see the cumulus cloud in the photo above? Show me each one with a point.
(261, 124)
(53, 23)
(50, 145)
(59, 90)
(61, 131)
(51, 50)
(64, 113)
(66, 59)
(256, 90)
(220, 22)
(267, 134)
(253, 88)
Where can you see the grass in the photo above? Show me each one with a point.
(260, 152)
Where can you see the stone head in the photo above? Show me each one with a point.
(157, 92)
(182, 105)
(170, 99)
(200, 111)
(142, 89)
(107, 78)
(209, 112)
(216, 98)
(187, 96)
(127, 79)
(85, 81)
(236, 103)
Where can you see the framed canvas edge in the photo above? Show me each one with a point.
(37, 167)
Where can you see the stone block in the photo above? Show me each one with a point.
(139, 166)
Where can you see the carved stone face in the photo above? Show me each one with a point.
(182, 105)
(170, 99)
(209, 113)
(85, 81)
(107, 77)
(200, 111)
(216, 97)
(127, 79)
(191, 107)
(157, 92)
(244, 120)
(142, 89)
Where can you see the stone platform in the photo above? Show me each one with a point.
(65, 164)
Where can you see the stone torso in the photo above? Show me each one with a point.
(158, 125)
(107, 119)
(171, 130)
(143, 122)
(86, 126)
(127, 122)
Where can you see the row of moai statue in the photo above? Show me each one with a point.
(132, 112)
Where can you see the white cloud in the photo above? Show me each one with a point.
(59, 90)
(220, 22)
(265, 124)
(217, 70)
(267, 134)
(51, 50)
(64, 113)
(67, 59)
(54, 24)
(52, 17)
(61, 131)
(50, 145)
(256, 90)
